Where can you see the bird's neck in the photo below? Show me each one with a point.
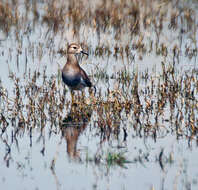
(71, 58)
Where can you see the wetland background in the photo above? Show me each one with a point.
(139, 131)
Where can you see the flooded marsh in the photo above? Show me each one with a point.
(138, 131)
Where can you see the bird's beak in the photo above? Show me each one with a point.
(84, 52)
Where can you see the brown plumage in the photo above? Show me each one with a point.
(72, 74)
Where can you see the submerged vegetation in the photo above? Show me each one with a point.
(143, 24)
(167, 99)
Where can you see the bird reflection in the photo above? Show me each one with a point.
(73, 125)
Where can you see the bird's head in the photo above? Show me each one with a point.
(75, 49)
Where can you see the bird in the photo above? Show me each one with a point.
(72, 74)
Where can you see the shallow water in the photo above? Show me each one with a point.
(141, 131)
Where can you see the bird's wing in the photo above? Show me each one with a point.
(85, 78)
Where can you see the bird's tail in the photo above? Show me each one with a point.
(94, 90)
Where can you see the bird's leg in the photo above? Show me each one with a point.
(92, 94)
(78, 96)
(83, 96)
(64, 94)
(72, 96)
